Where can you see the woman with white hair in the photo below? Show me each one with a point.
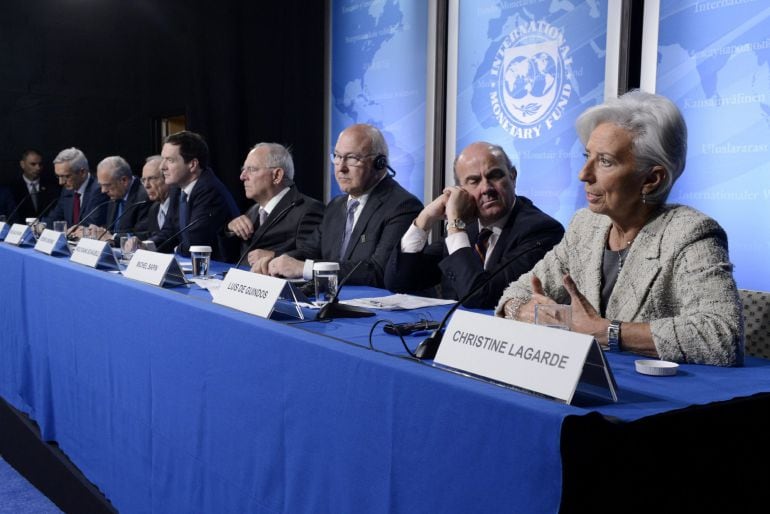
(641, 275)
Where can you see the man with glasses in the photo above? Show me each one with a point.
(157, 192)
(361, 227)
(282, 217)
(129, 205)
(81, 199)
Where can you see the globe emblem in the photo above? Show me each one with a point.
(530, 76)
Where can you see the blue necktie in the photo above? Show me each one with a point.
(118, 214)
(184, 218)
(352, 206)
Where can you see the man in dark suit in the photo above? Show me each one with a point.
(487, 225)
(81, 200)
(282, 218)
(363, 225)
(32, 189)
(200, 204)
(157, 192)
(129, 203)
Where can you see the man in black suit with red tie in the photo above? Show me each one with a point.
(361, 227)
(487, 225)
(283, 218)
(81, 200)
(33, 189)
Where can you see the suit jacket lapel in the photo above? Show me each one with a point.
(373, 204)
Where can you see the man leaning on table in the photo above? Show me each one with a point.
(283, 217)
(488, 226)
(361, 227)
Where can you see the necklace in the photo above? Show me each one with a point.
(621, 257)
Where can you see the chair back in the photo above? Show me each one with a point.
(756, 322)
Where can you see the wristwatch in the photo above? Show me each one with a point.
(456, 224)
(613, 336)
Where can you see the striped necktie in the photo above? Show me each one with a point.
(352, 206)
(482, 244)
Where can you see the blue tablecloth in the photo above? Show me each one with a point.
(169, 403)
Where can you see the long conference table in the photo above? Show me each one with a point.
(170, 403)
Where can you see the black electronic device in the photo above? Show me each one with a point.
(405, 329)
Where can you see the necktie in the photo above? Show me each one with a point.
(33, 194)
(161, 217)
(118, 213)
(262, 216)
(76, 209)
(184, 217)
(352, 206)
(482, 244)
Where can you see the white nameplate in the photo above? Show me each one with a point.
(4, 228)
(19, 234)
(249, 292)
(544, 360)
(51, 242)
(94, 254)
(158, 269)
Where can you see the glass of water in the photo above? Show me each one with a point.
(553, 315)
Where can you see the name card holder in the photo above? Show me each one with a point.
(95, 254)
(157, 269)
(260, 295)
(546, 361)
(20, 235)
(52, 243)
(4, 228)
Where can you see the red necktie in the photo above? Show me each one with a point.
(482, 244)
(76, 209)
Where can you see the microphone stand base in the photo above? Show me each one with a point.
(334, 310)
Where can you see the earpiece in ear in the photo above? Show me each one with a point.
(380, 162)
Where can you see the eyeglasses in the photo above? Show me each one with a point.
(350, 159)
(147, 180)
(255, 169)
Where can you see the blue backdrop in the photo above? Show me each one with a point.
(713, 62)
(526, 70)
(378, 76)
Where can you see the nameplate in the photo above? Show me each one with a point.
(4, 228)
(157, 269)
(19, 235)
(94, 254)
(248, 292)
(52, 242)
(543, 360)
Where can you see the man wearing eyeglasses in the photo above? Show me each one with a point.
(361, 227)
(282, 217)
(488, 226)
(81, 199)
(129, 205)
(157, 192)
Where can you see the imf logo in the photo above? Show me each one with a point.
(530, 74)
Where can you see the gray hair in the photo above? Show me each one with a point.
(76, 159)
(120, 167)
(278, 156)
(658, 130)
(152, 158)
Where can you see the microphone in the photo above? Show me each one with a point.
(115, 222)
(391, 171)
(183, 229)
(334, 309)
(16, 209)
(270, 225)
(80, 224)
(429, 346)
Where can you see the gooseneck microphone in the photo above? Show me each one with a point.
(335, 309)
(183, 229)
(45, 209)
(82, 221)
(16, 209)
(278, 217)
(112, 225)
(429, 346)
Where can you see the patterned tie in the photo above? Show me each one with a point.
(482, 244)
(184, 217)
(76, 209)
(161, 217)
(262, 216)
(352, 206)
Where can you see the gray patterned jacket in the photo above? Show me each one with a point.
(677, 276)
